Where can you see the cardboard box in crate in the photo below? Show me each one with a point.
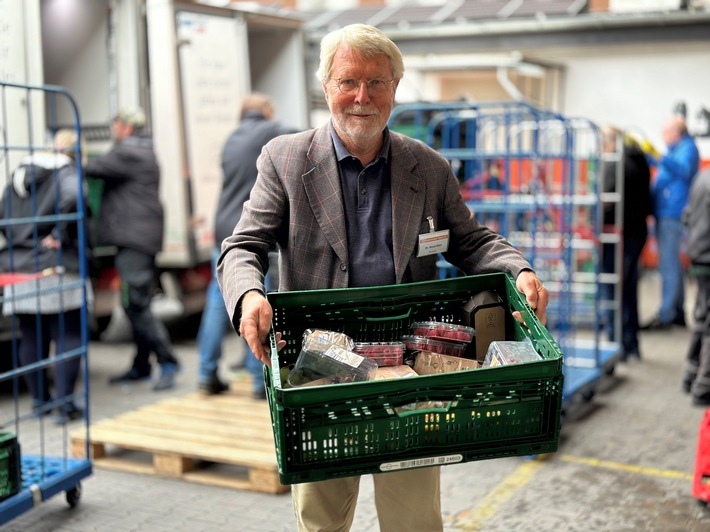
(370, 427)
(10, 468)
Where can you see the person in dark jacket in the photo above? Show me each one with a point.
(697, 220)
(131, 218)
(46, 252)
(242, 148)
(636, 204)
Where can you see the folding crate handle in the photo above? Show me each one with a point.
(407, 409)
(386, 318)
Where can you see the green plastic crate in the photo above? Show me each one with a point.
(352, 429)
(10, 468)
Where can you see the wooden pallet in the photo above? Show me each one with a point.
(222, 440)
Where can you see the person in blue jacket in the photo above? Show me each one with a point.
(670, 190)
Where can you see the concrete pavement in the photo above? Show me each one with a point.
(625, 462)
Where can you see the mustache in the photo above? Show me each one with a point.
(358, 110)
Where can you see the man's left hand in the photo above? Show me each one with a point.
(535, 294)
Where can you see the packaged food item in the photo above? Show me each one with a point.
(510, 352)
(394, 372)
(336, 363)
(486, 313)
(428, 363)
(383, 353)
(421, 343)
(321, 339)
(443, 331)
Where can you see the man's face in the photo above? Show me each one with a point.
(121, 130)
(361, 116)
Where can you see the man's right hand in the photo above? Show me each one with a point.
(256, 324)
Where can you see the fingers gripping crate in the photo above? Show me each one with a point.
(370, 427)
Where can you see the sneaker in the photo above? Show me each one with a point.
(67, 414)
(702, 400)
(40, 408)
(656, 325)
(167, 377)
(132, 375)
(213, 386)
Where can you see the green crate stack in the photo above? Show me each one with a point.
(10, 468)
(368, 427)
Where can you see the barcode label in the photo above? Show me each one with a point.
(344, 356)
(422, 462)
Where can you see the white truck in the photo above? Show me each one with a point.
(188, 65)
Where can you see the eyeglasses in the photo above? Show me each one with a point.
(375, 87)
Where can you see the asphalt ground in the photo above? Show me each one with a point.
(625, 461)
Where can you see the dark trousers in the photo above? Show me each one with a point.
(699, 348)
(137, 272)
(38, 332)
(629, 292)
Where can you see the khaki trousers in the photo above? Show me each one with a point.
(406, 501)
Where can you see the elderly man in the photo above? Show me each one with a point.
(131, 219)
(345, 205)
(670, 190)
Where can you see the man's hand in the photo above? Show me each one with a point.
(256, 324)
(535, 294)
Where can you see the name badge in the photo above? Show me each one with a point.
(432, 243)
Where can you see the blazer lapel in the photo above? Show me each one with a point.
(322, 186)
(407, 205)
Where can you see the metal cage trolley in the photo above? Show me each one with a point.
(44, 389)
(533, 176)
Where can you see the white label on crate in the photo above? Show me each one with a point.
(422, 462)
(344, 356)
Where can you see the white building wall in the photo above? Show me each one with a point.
(638, 89)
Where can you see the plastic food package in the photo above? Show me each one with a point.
(321, 339)
(383, 353)
(394, 372)
(432, 363)
(443, 331)
(335, 363)
(502, 353)
(421, 343)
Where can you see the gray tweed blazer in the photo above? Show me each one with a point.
(296, 207)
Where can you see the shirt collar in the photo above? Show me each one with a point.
(342, 153)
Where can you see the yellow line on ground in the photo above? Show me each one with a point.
(606, 464)
(473, 520)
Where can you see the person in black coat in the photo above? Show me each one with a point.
(131, 218)
(636, 209)
(239, 154)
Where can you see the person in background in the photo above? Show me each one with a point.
(636, 209)
(131, 218)
(256, 127)
(697, 219)
(669, 192)
(48, 307)
(345, 204)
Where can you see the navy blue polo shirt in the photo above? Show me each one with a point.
(367, 197)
